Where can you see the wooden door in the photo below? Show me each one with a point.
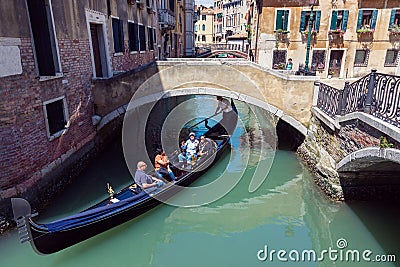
(96, 49)
(335, 62)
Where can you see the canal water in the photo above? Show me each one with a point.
(287, 212)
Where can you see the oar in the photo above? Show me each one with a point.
(204, 120)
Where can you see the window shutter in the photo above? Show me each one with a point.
(279, 14)
(392, 16)
(374, 16)
(286, 22)
(303, 21)
(334, 20)
(121, 35)
(317, 20)
(359, 21)
(115, 26)
(345, 19)
(136, 33)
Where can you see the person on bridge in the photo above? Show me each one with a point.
(144, 180)
(191, 146)
(161, 165)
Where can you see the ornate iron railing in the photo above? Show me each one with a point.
(356, 95)
(376, 93)
(329, 99)
(385, 103)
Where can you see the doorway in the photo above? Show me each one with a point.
(98, 50)
(335, 63)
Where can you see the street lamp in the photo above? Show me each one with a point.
(310, 27)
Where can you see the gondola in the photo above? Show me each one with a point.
(121, 207)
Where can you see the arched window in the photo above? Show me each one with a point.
(203, 27)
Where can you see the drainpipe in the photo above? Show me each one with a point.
(257, 26)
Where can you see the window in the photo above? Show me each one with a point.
(203, 38)
(172, 5)
(44, 37)
(339, 20)
(203, 17)
(367, 19)
(142, 38)
(361, 58)
(56, 115)
(133, 36)
(305, 20)
(282, 19)
(279, 59)
(203, 27)
(318, 60)
(150, 35)
(154, 36)
(394, 18)
(118, 35)
(391, 58)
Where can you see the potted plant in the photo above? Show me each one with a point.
(330, 73)
(394, 30)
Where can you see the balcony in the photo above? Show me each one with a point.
(166, 18)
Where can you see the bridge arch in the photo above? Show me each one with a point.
(208, 78)
(371, 159)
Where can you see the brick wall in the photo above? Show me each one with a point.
(128, 61)
(25, 148)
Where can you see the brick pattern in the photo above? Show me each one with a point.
(25, 148)
(128, 61)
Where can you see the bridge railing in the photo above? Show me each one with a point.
(377, 94)
(224, 47)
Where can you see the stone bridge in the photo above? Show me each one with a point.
(288, 97)
(344, 150)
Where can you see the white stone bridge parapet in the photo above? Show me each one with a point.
(368, 158)
(288, 97)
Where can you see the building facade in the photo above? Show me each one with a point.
(204, 27)
(234, 22)
(347, 38)
(51, 52)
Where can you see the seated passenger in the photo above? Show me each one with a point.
(144, 180)
(161, 165)
(191, 147)
(205, 147)
(182, 155)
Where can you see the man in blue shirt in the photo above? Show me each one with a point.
(191, 148)
(144, 180)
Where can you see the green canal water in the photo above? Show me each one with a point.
(287, 212)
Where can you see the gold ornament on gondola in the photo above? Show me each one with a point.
(110, 191)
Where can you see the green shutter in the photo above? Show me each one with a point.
(374, 16)
(334, 20)
(317, 20)
(286, 22)
(303, 21)
(392, 17)
(359, 21)
(279, 14)
(345, 19)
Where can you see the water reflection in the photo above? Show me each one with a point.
(286, 212)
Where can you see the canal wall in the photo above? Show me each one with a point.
(324, 147)
(43, 189)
